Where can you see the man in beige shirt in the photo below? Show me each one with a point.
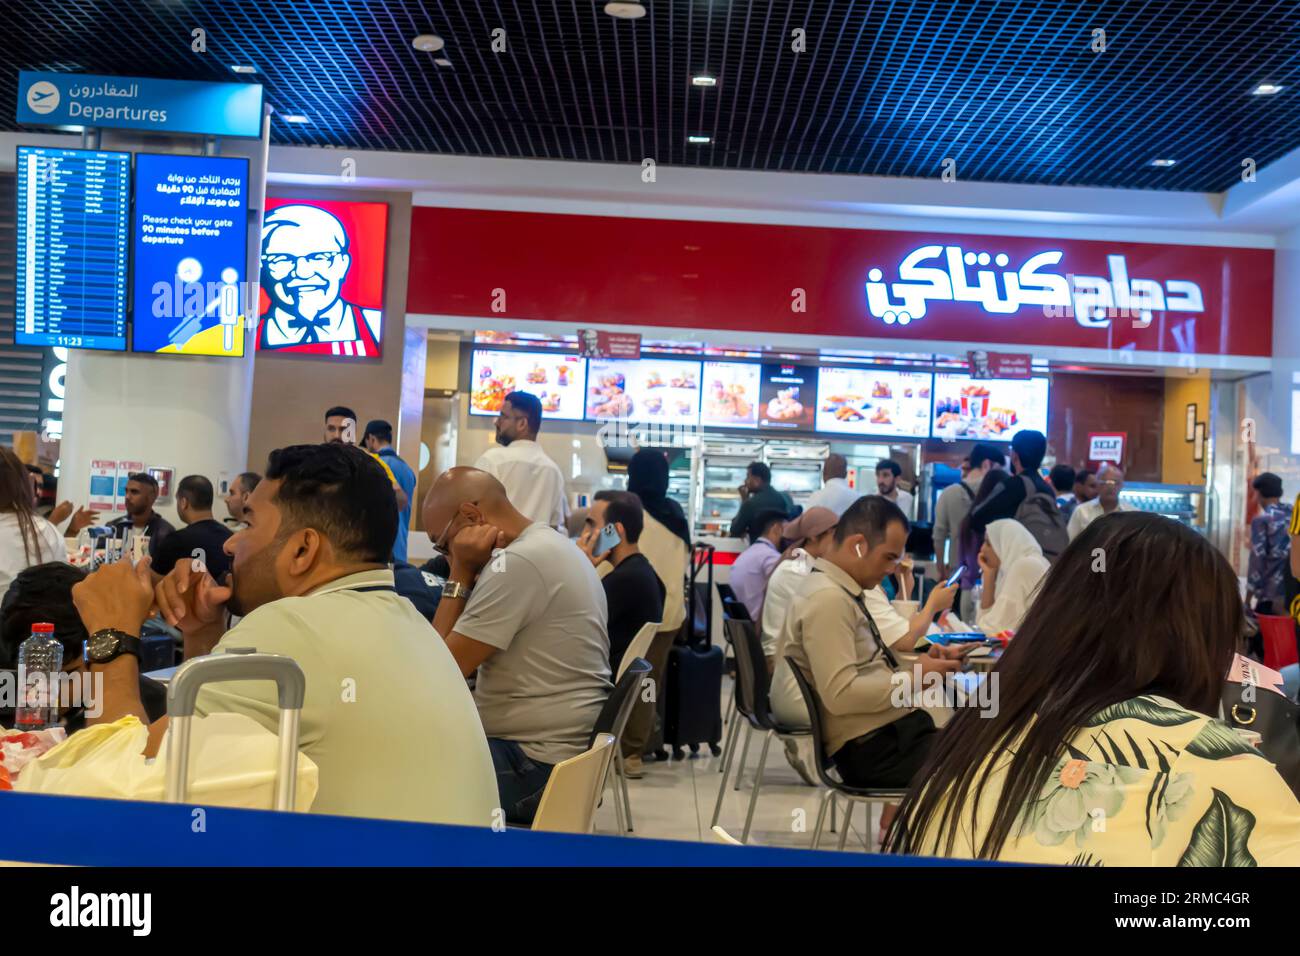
(830, 636)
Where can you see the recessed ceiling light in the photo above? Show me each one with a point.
(295, 118)
(442, 61)
(1164, 163)
(704, 80)
(243, 69)
(1266, 89)
(699, 139)
(428, 43)
(625, 11)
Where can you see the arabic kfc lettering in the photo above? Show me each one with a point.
(1000, 293)
(1093, 301)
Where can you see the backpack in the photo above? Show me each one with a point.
(1043, 519)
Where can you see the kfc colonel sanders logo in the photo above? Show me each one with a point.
(322, 278)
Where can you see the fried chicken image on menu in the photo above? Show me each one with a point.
(726, 403)
(654, 380)
(881, 390)
(786, 406)
(881, 417)
(847, 413)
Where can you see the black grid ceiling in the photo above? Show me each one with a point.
(1009, 89)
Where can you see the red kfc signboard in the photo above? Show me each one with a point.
(1015, 291)
(322, 283)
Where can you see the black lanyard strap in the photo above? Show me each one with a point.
(882, 648)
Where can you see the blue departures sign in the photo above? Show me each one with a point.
(70, 275)
(191, 251)
(130, 102)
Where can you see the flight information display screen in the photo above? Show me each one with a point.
(72, 235)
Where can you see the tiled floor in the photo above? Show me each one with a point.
(675, 800)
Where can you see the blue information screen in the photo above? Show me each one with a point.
(70, 281)
(191, 254)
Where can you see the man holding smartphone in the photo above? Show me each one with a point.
(633, 592)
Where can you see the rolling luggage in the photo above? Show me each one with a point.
(235, 664)
(693, 695)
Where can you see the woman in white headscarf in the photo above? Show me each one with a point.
(1013, 566)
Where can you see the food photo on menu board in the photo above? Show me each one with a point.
(557, 380)
(865, 401)
(731, 395)
(644, 391)
(988, 409)
(787, 396)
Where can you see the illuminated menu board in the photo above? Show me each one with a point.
(644, 391)
(988, 409)
(731, 395)
(788, 396)
(558, 381)
(868, 401)
(71, 267)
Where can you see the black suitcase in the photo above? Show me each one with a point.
(693, 695)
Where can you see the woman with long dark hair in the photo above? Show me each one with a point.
(26, 539)
(1097, 747)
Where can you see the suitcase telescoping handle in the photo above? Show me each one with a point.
(235, 664)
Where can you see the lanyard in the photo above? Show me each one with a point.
(882, 648)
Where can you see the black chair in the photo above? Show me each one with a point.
(732, 606)
(754, 705)
(612, 719)
(835, 786)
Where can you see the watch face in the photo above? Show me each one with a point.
(103, 646)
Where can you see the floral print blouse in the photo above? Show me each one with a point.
(1149, 783)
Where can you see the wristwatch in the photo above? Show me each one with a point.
(107, 644)
(455, 590)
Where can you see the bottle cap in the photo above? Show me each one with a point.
(42, 628)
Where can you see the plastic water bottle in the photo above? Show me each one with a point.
(40, 660)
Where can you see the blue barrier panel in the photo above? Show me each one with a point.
(35, 828)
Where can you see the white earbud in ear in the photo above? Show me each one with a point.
(858, 548)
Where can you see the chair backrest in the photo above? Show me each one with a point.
(732, 607)
(639, 646)
(618, 705)
(572, 793)
(752, 680)
(725, 837)
(814, 704)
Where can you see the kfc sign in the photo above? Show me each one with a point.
(1003, 294)
(322, 286)
(1092, 300)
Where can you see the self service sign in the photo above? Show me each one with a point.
(131, 102)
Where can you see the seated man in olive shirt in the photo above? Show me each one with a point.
(633, 592)
(831, 637)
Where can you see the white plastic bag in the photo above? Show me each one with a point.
(232, 764)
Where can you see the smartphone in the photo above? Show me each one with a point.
(955, 576)
(607, 539)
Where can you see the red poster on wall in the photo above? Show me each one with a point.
(323, 277)
(597, 343)
(999, 365)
